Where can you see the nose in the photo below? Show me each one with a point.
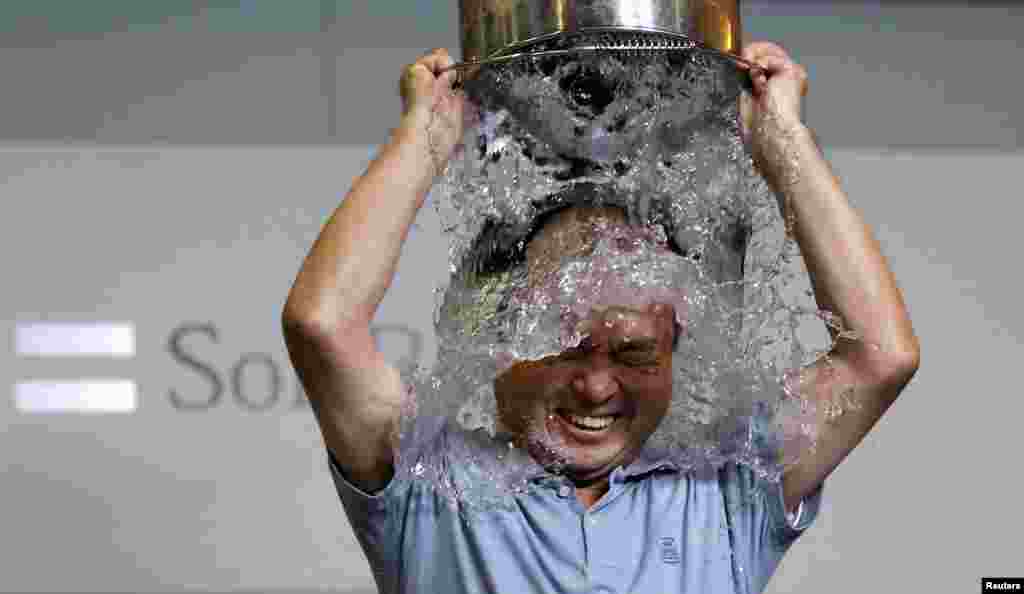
(595, 382)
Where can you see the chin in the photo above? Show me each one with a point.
(586, 476)
(592, 467)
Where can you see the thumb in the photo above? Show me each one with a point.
(416, 86)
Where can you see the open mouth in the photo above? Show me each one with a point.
(590, 441)
(586, 423)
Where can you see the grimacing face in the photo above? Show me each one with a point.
(593, 407)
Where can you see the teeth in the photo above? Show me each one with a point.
(594, 423)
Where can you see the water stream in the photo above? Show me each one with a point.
(655, 137)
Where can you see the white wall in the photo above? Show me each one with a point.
(226, 497)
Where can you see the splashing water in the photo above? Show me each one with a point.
(657, 138)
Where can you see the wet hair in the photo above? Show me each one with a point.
(500, 247)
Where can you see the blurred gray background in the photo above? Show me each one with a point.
(166, 165)
(273, 72)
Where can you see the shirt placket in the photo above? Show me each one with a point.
(603, 535)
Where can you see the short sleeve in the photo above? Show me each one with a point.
(373, 520)
(377, 518)
(417, 437)
(794, 524)
(762, 531)
(355, 500)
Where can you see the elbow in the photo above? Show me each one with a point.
(306, 322)
(893, 368)
(322, 329)
(296, 325)
(903, 365)
(906, 357)
(310, 314)
(306, 313)
(300, 320)
(884, 370)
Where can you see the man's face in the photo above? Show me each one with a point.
(592, 407)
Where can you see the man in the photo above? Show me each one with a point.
(619, 521)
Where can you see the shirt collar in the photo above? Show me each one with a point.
(646, 462)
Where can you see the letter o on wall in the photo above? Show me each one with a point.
(238, 383)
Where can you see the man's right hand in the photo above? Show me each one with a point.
(431, 110)
(356, 393)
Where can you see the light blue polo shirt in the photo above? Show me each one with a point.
(656, 531)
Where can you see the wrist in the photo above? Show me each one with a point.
(426, 129)
(410, 155)
(780, 133)
(781, 149)
(411, 132)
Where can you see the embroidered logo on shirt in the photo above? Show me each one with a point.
(669, 551)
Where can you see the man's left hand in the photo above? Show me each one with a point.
(773, 111)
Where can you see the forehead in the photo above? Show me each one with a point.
(649, 321)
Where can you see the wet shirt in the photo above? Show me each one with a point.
(656, 530)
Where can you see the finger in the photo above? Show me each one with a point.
(760, 81)
(413, 74)
(436, 60)
(756, 49)
(449, 75)
(416, 82)
(431, 62)
(772, 65)
(761, 72)
(752, 50)
(437, 51)
(759, 49)
(779, 68)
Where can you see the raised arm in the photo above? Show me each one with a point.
(848, 272)
(355, 393)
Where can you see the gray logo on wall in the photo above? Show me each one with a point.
(256, 381)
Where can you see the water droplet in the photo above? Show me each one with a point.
(663, 146)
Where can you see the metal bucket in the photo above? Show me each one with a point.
(495, 27)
